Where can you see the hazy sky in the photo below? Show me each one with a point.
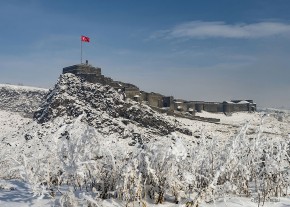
(211, 50)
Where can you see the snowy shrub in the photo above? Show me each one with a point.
(68, 200)
(160, 166)
(131, 184)
(245, 164)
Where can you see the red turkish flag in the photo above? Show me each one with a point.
(85, 39)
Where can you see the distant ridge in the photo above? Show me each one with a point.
(22, 99)
(22, 88)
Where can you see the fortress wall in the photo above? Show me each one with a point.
(213, 107)
(184, 107)
(240, 107)
(190, 104)
(167, 101)
(116, 86)
(253, 107)
(131, 92)
(190, 107)
(227, 107)
(93, 75)
(82, 68)
(199, 106)
(220, 107)
(143, 96)
(108, 81)
(92, 78)
(155, 99)
(237, 107)
(179, 105)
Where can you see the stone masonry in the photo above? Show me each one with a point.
(155, 100)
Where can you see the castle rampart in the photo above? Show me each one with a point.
(155, 100)
(83, 69)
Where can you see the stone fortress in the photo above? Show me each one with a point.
(157, 101)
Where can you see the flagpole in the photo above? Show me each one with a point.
(81, 51)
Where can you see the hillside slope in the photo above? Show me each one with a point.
(88, 137)
(22, 99)
(101, 106)
(74, 106)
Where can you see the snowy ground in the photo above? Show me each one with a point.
(80, 143)
(11, 121)
(18, 194)
(15, 193)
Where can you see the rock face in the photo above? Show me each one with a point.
(21, 99)
(101, 107)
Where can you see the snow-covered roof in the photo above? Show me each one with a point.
(240, 102)
(243, 102)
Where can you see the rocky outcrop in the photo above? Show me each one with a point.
(21, 99)
(101, 107)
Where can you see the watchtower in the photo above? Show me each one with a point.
(86, 71)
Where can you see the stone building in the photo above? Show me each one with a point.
(131, 92)
(180, 105)
(213, 107)
(94, 75)
(88, 72)
(168, 102)
(156, 100)
(198, 105)
(190, 107)
(239, 105)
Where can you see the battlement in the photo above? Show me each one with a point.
(94, 75)
(82, 69)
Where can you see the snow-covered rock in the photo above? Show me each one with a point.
(101, 106)
(21, 99)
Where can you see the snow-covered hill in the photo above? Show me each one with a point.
(21, 99)
(73, 106)
(101, 106)
(87, 137)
